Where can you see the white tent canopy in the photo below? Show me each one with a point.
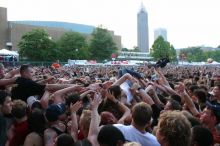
(7, 52)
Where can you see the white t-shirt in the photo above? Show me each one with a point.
(132, 134)
(125, 87)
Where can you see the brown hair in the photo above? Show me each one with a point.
(175, 128)
(141, 114)
(19, 109)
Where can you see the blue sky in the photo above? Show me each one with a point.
(188, 22)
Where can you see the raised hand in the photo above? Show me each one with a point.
(110, 96)
(75, 107)
(95, 101)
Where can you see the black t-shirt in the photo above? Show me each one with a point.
(25, 87)
(5, 123)
(3, 131)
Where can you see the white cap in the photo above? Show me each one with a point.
(31, 100)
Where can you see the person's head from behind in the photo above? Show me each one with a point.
(173, 129)
(37, 121)
(64, 140)
(141, 114)
(116, 91)
(5, 103)
(55, 112)
(72, 98)
(107, 118)
(26, 71)
(110, 136)
(201, 136)
(172, 105)
(201, 95)
(176, 98)
(19, 109)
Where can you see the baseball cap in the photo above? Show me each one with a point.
(54, 111)
(215, 107)
(31, 100)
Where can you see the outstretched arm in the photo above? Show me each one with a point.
(5, 82)
(187, 99)
(58, 95)
(125, 77)
(95, 120)
(122, 108)
(74, 123)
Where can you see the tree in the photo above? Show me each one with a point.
(194, 54)
(135, 49)
(101, 45)
(72, 45)
(162, 49)
(36, 45)
(125, 49)
(173, 56)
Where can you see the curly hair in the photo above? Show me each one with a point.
(175, 128)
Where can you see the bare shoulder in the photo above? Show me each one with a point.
(49, 137)
(33, 139)
(34, 135)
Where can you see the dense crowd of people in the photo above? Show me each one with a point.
(110, 106)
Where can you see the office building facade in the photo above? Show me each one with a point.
(142, 30)
(12, 31)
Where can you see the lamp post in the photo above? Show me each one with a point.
(76, 53)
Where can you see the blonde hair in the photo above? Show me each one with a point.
(175, 128)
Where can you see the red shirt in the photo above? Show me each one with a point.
(214, 132)
(20, 133)
(216, 136)
(56, 65)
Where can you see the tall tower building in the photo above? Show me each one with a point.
(142, 30)
(160, 32)
(3, 27)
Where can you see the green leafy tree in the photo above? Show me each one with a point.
(194, 54)
(124, 49)
(36, 45)
(101, 45)
(72, 45)
(162, 48)
(213, 54)
(136, 49)
(173, 55)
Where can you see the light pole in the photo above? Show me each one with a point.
(76, 54)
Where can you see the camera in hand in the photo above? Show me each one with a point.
(162, 62)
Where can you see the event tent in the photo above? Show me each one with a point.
(8, 52)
